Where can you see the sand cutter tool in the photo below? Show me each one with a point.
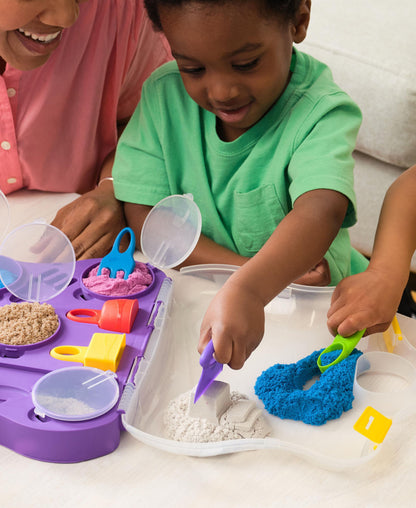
(115, 315)
(210, 370)
(344, 344)
(120, 261)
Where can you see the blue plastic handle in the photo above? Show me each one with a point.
(120, 261)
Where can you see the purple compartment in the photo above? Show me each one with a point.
(16, 350)
(60, 441)
(88, 293)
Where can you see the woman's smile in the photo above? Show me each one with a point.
(40, 43)
(30, 31)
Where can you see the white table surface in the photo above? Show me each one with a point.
(136, 475)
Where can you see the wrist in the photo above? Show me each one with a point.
(391, 272)
(241, 283)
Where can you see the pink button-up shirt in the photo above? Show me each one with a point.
(58, 122)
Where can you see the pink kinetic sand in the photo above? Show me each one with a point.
(103, 284)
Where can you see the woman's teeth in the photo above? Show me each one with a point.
(38, 37)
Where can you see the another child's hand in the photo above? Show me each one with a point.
(366, 300)
(235, 323)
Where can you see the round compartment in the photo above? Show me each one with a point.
(385, 381)
(10, 271)
(16, 350)
(88, 293)
(75, 393)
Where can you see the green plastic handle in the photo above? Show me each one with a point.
(345, 344)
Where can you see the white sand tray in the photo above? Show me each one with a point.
(295, 327)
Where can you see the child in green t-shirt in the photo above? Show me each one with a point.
(262, 138)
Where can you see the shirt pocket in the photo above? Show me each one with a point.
(257, 213)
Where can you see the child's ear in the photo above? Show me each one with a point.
(301, 22)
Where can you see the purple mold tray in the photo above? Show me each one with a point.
(47, 439)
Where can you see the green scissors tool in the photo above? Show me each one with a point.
(345, 344)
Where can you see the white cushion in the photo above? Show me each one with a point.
(370, 46)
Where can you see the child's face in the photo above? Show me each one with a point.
(30, 30)
(234, 61)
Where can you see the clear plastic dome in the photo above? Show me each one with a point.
(37, 262)
(171, 231)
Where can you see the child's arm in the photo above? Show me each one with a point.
(235, 318)
(206, 250)
(370, 300)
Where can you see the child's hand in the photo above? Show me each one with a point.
(235, 322)
(319, 275)
(366, 300)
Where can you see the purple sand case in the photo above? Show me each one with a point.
(50, 440)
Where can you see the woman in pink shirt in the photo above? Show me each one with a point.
(71, 73)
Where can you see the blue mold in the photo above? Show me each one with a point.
(281, 388)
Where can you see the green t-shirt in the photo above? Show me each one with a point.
(243, 188)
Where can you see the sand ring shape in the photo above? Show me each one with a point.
(281, 388)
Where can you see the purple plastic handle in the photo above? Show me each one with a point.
(207, 357)
(210, 370)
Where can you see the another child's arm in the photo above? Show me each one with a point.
(235, 318)
(370, 299)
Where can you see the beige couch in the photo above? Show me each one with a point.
(370, 45)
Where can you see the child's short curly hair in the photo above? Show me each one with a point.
(285, 9)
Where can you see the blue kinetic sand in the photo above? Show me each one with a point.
(281, 389)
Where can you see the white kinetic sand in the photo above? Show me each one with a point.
(212, 404)
(216, 419)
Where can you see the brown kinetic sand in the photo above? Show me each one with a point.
(27, 323)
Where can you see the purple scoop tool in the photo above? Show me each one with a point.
(210, 370)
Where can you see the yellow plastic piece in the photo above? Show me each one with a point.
(104, 351)
(388, 341)
(396, 328)
(392, 335)
(373, 425)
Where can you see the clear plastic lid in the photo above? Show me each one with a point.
(37, 262)
(171, 231)
(4, 215)
(75, 393)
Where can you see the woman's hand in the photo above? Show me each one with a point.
(92, 221)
